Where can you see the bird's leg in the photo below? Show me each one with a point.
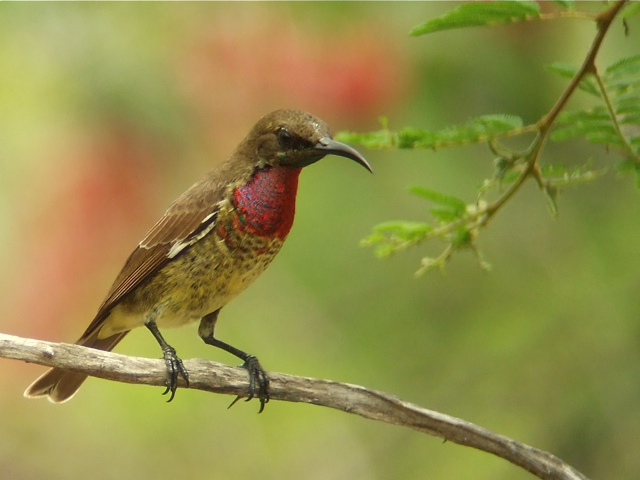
(258, 379)
(173, 362)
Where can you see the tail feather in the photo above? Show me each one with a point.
(60, 385)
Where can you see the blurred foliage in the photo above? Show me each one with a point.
(481, 14)
(111, 110)
(614, 123)
(477, 130)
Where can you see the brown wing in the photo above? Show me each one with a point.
(188, 219)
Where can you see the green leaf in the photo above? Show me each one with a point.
(588, 83)
(393, 236)
(630, 166)
(626, 165)
(622, 80)
(480, 14)
(631, 9)
(445, 215)
(595, 125)
(373, 239)
(379, 140)
(499, 122)
(626, 66)
(552, 169)
(477, 130)
(413, 137)
(629, 114)
(565, 4)
(627, 106)
(403, 229)
(623, 87)
(384, 251)
(461, 237)
(559, 176)
(454, 203)
(605, 137)
(563, 69)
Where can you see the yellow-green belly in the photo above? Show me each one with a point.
(199, 280)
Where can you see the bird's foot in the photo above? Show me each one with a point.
(175, 367)
(258, 382)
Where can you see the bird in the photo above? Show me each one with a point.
(213, 241)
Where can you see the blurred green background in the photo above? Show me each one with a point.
(109, 111)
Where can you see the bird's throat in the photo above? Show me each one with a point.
(266, 204)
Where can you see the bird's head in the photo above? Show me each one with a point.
(296, 139)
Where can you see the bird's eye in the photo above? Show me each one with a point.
(285, 138)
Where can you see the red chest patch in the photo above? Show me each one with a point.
(267, 203)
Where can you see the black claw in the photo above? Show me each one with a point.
(175, 367)
(258, 379)
(258, 382)
(234, 401)
(172, 361)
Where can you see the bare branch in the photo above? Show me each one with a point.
(219, 378)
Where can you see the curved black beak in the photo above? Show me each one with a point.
(329, 146)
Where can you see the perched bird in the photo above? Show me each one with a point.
(212, 242)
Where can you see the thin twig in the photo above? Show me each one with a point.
(474, 220)
(219, 378)
(604, 20)
(614, 119)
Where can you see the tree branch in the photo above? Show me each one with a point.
(219, 378)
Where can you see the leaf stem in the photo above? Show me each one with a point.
(614, 118)
(604, 20)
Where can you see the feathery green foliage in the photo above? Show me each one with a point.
(480, 14)
(588, 83)
(614, 122)
(631, 10)
(566, 4)
(477, 130)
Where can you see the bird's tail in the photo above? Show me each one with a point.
(60, 385)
